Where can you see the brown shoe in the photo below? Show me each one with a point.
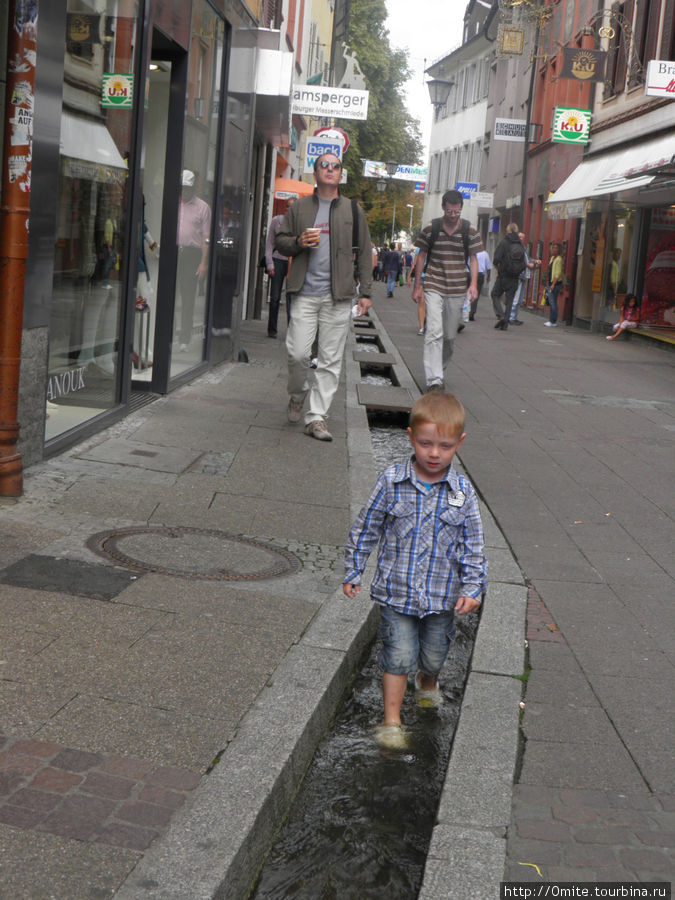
(317, 429)
(294, 410)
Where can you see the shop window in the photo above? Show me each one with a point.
(658, 305)
(197, 190)
(92, 223)
(617, 259)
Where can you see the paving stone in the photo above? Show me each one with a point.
(78, 817)
(155, 793)
(18, 763)
(76, 760)
(107, 786)
(647, 860)
(41, 749)
(20, 817)
(177, 779)
(541, 830)
(145, 814)
(56, 780)
(10, 781)
(589, 855)
(40, 801)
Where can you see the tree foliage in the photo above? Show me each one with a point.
(389, 132)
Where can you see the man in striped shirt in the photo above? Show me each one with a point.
(445, 283)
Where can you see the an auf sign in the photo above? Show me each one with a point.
(571, 125)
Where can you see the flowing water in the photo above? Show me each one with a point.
(362, 820)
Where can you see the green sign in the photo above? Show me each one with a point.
(117, 90)
(571, 125)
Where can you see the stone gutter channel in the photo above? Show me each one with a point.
(215, 846)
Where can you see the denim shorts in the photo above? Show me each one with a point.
(411, 644)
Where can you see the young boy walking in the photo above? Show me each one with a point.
(431, 564)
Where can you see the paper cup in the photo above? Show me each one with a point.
(315, 236)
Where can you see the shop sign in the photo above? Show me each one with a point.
(376, 169)
(483, 198)
(583, 65)
(339, 103)
(316, 147)
(571, 125)
(510, 41)
(65, 383)
(420, 187)
(510, 130)
(660, 78)
(337, 134)
(117, 90)
(466, 188)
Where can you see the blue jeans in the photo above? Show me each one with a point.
(391, 282)
(553, 303)
(411, 644)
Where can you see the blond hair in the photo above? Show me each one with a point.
(512, 228)
(444, 411)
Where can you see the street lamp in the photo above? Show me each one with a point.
(439, 90)
(411, 212)
(391, 167)
(393, 222)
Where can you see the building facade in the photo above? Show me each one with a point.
(151, 126)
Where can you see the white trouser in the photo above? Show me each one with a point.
(518, 299)
(332, 320)
(443, 314)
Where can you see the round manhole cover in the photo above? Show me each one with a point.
(193, 553)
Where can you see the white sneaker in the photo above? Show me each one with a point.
(314, 362)
(317, 429)
(428, 698)
(550, 324)
(391, 737)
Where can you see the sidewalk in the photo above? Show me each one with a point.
(570, 444)
(124, 682)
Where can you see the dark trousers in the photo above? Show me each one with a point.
(474, 303)
(189, 259)
(507, 286)
(280, 272)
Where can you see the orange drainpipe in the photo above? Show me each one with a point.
(14, 219)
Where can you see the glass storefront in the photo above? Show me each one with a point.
(198, 187)
(620, 234)
(89, 264)
(658, 303)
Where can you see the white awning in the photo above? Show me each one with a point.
(620, 170)
(89, 140)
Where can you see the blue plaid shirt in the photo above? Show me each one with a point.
(431, 542)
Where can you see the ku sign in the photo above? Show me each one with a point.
(570, 125)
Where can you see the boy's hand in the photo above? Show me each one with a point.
(466, 605)
(351, 590)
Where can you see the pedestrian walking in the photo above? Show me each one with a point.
(509, 261)
(447, 245)
(431, 562)
(277, 269)
(392, 268)
(484, 271)
(321, 234)
(523, 278)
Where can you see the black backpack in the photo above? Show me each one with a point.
(513, 261)
(435, 231)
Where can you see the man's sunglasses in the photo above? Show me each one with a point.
(324, 164)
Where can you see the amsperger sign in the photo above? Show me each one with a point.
(340, 103)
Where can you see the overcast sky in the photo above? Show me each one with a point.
(425, 29)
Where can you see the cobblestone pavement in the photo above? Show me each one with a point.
(571, 448)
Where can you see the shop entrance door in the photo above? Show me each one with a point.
(160, 162)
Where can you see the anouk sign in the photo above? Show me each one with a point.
(340, 103)
(67, 382)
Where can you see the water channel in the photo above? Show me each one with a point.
(362, 820)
